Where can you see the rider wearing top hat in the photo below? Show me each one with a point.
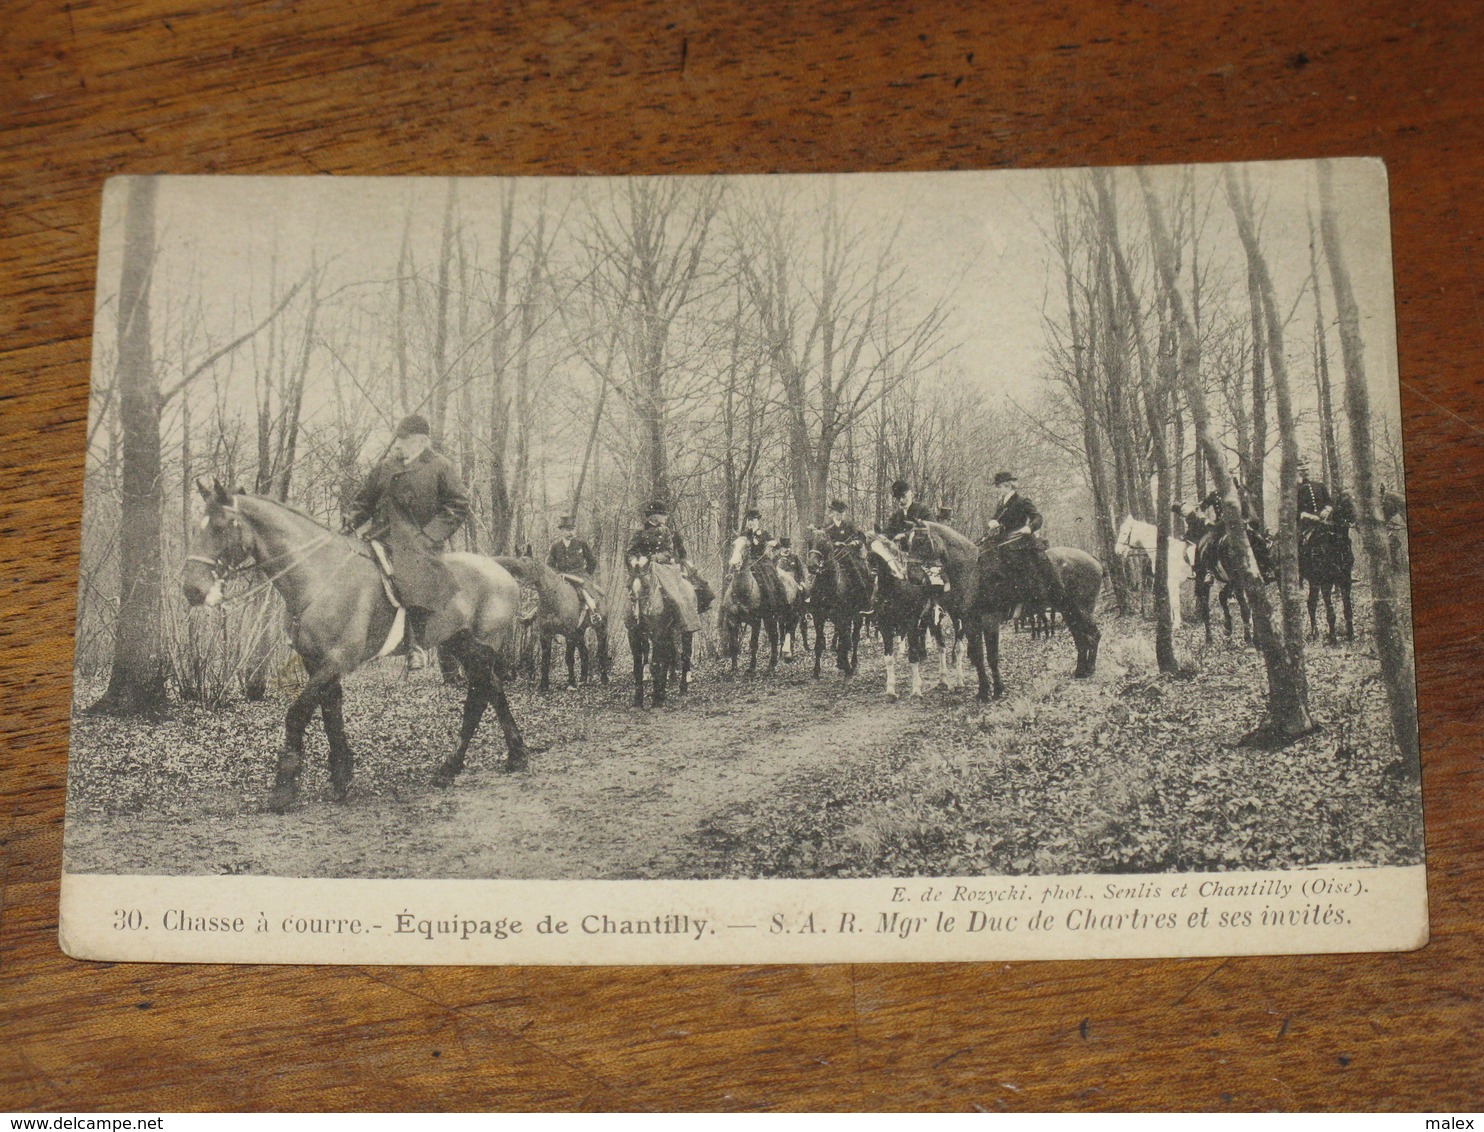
(907, 526)
(1013, 530)
(571, 557)
(788, 560)
(414, 500)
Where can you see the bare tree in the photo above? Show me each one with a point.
(1387, 602)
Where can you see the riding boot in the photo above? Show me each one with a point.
(417, 620)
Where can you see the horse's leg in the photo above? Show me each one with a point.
(291, 759)
(1203, 604)
(686, 644)
(479, 666)
(819, 650)
(1313, 609)
(992, 640)
(636, 647)
(916, 654)
(1344, 585)
(1329, 610)
(774, 628)
(545, 684)
(661, 661)
(342, 758)
(888, 642)
(600, 634)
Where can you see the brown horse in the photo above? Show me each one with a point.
(339, 617)
(561, 612)
(656, 636)
(746, 602)
(1002, 591)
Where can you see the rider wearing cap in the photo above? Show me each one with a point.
(571, 557)
(837, 528)
(414, 500)
(1013, 530)
(907, 526)
(657, 543)
(760, 546)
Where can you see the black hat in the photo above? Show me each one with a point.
(1004, 477)
(900, 488)
(752, 513)
(568, 523)
(658, 507)
(415, 425)
(783, 542)
(838, 505)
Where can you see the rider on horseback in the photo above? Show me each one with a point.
(788, 560)
(1012, 532)
(838, 529)
(1314, 504)
(656, 543)
(414, 500)
(907, 526)
(572, 558)
(759, 549)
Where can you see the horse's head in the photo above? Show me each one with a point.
(220, 546)
(889, 555)
(739, 552)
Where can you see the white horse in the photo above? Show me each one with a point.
(1138, 538)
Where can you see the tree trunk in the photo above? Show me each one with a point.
(1387, 602)
(438, 393)
(1333, 475)
(136, 683)
(1287, 713)
(1257, 454)
(1290, 586)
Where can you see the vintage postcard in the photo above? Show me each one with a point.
(939, 566)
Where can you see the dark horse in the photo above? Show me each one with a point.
(339, 617)
(1002, 590)
(745, 601)
(561, 612)
(1326, 560)
(1210, 567)
(841, 593)
(655, 635)
(905, 604)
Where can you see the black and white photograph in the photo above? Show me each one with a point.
(1004, 525)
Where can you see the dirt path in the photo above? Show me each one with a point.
(626, 799)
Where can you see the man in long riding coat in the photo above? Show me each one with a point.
(414, 500)
(760, 550)
(907, 526)
(657, 543)
(571, 557)
(1013, 530)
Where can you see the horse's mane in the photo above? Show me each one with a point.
(953, 538)
(280, 504)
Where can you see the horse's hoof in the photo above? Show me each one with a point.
(443, 777)
(282, 801)
(515, 763)
(941, 686)
(571, 687)
(891, 697)
(339, 791)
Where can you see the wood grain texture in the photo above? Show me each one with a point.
(88, 90)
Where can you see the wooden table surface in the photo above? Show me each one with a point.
(234, 86)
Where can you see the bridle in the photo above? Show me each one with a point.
(222, 570)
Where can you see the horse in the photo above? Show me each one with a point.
(841, 593)
(655, 636)
(1137, 545)
(561, 612)
(745, 601)
(906, 606)
(1326, 560)
(1000, 593)
(793, 634)
(340, 616)
(1210, 567)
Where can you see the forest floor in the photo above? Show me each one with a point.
(776, 776)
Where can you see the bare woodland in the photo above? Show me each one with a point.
(584, 346)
